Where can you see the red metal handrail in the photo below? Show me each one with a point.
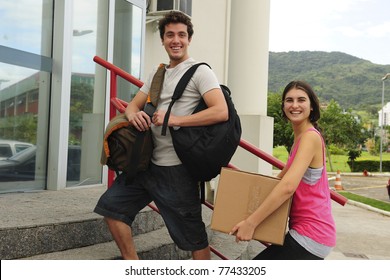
(117, 104)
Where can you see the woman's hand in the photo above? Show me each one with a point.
(243, 231)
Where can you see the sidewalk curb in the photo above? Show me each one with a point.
(368, 207)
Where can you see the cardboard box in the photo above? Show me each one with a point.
(238, 195)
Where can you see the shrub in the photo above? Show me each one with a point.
(369, 165)
(334, 150)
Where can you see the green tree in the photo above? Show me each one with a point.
(81, 102)
(341, 128)
(283, 133)
(352, 155)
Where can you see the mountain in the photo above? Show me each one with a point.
(351, 81)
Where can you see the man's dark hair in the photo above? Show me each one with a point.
(175, 17)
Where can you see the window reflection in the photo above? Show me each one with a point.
(86, 119)
(26, 28)
(22, 101)
(26, 25)
(86, 122)
(127, 45)
(25, 42)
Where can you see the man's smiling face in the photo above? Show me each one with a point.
(176, 43)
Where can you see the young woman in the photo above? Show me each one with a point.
(312, 233)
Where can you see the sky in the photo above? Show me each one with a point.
(357, 27)
(21, 28)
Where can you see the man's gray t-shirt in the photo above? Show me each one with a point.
(201, 82)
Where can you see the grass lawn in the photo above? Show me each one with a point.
(369, 201)
(339, 162)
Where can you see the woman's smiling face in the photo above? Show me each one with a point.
(296, 105)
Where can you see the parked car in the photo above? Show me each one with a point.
(21, 166)
(8, 148)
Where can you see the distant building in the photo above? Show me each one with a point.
(386, 115)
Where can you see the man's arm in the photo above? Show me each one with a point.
(216, 112)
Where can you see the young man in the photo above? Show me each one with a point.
(167, 182)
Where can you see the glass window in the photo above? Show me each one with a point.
(5, 151)
(86, 124)
(24, 118)
(20, 147)
(87, 101)
(26, 24)
(127, 45)
(25, 65)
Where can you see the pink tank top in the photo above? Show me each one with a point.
(311, 211)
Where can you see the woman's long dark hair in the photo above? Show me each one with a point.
(314, 102)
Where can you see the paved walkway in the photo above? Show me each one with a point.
(362, 233)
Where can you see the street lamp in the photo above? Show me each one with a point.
(382, 120)
(81, 32)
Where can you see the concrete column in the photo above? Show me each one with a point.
(248, 77)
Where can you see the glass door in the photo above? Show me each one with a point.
(25, 70)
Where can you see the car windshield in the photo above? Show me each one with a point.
(21, 147)
(5, 151)
(23, 155)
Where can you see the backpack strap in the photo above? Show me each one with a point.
(181, 85)
(155, 87)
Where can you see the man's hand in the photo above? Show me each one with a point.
(140, 120)
(158, 118)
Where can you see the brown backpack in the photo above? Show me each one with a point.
(125, 149)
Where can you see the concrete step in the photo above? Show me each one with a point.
(62, 225)
(22, 242)
(157, 245)
(154, 245)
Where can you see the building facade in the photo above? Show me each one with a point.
(54, 96)
(385, 113)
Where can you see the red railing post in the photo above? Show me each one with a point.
(112, 94)
(111, 173)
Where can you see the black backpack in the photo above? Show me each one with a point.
(204, 150)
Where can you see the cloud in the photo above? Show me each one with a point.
(357, 27)
(367, 30)
(380, 31)
(21, 27)
(349, 31)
